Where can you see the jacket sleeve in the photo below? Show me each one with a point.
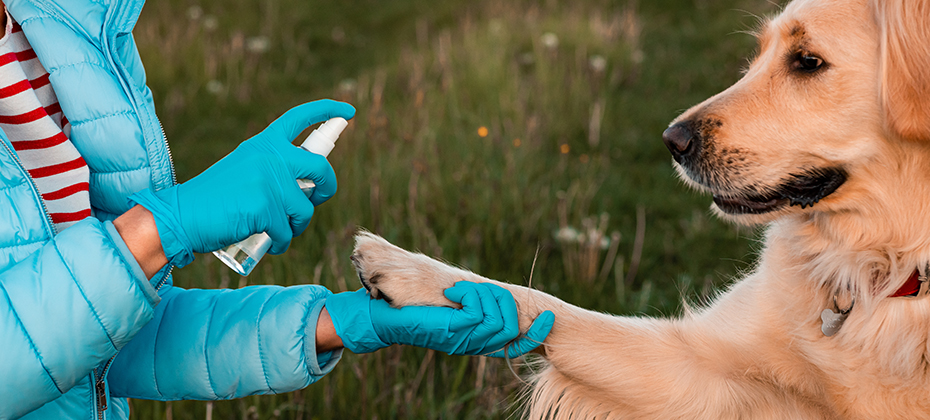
(223, 344)
(65, 309)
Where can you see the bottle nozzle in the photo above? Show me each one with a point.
(322, 140)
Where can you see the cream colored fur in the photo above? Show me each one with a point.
(757, 352)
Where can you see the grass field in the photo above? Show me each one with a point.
(486, 131)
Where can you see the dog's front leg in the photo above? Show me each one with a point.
(724, 363)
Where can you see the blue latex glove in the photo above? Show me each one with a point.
(486, 323)
(533, 338)
(251, 190)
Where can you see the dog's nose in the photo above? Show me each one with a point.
(680, 140)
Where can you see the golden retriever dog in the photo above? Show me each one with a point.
(826, 139)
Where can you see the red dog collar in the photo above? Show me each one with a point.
(911, 287)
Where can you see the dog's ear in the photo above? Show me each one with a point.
(905, 65)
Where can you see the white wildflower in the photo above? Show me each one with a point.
(348, 85)
(550, 40)
(210, 23)
(215, 87)
(598, 63)
(257, 44)
(567, 234)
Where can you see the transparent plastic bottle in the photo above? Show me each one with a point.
(244, 255)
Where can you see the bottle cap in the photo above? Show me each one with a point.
(322, 140)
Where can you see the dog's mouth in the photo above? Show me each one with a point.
(803, 190)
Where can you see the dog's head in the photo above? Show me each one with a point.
(836, 83)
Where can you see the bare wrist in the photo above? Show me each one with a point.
(138, 230)
(326, 337)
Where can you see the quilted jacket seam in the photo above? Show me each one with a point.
(154, 355)
(27, 21)
(90, 305)
(121, 171)
(5, 247)
(206, 352)
(11, 186)
(56, 69)
(101, 117)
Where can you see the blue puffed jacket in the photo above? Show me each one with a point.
(81, 328)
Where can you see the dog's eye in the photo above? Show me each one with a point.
(807, 63)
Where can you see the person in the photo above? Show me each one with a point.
(92, 221)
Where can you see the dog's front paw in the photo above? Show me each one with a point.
(400, 277)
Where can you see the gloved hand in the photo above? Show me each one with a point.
(485, 324)
(251, 190)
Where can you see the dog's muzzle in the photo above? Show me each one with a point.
(685, 140)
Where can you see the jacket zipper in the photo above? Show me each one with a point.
(174, 181)
(164, 137)
(100, 389)
(35, 190)
(164, 279)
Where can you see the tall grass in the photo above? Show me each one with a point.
(487, 132)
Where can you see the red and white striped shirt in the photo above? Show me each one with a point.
(32, 119)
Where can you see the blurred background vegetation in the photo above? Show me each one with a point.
(486, 130)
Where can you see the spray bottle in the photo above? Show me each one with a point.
(243, 256)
